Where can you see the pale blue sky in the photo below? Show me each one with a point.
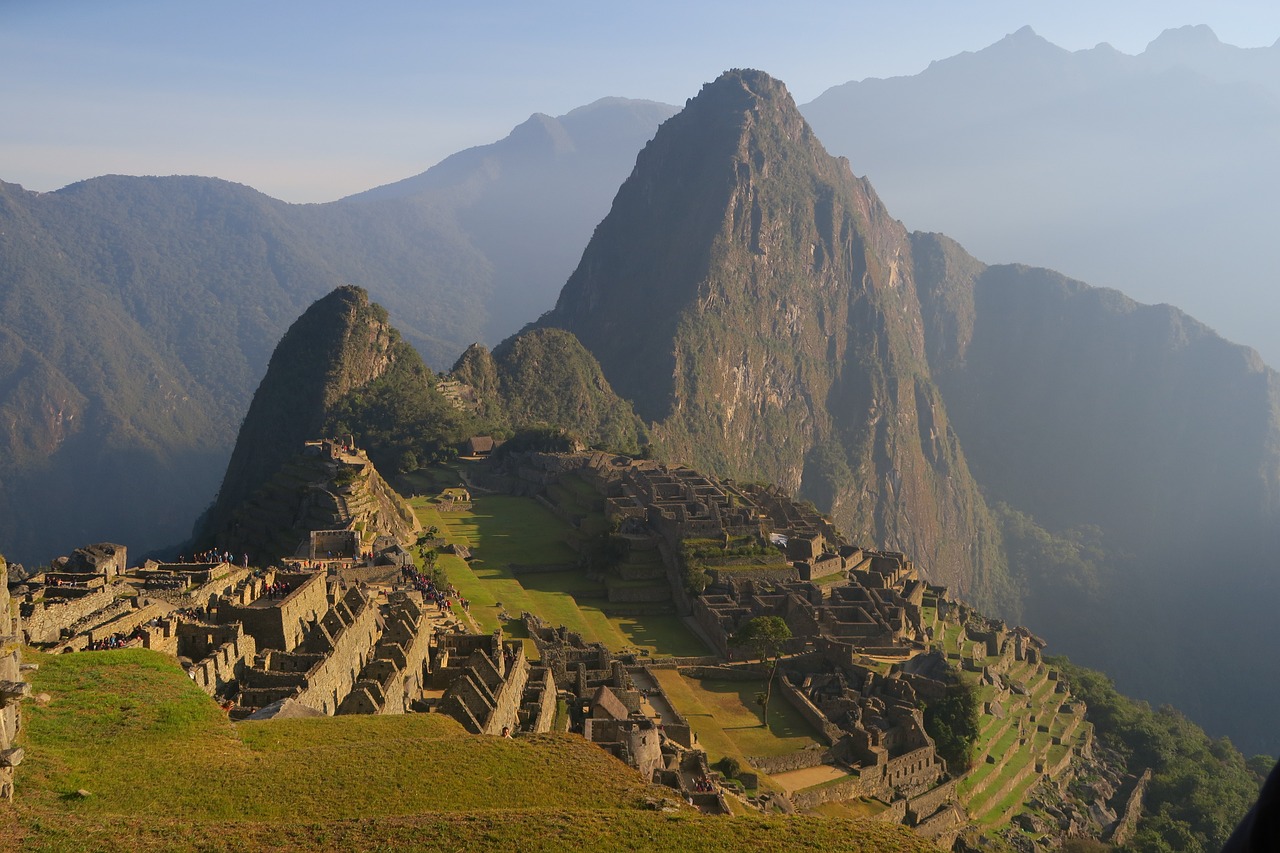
(310, 101)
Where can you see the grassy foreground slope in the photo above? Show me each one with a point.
(164, 770)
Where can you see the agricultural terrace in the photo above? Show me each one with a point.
(161, 768)
(522, 561)
(1030, 739)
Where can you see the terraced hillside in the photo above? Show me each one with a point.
(527, 556)
(1030, 731)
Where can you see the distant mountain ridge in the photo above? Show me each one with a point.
(1152, 173)
(139, 313)
(529, 202)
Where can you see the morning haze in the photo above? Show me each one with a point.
(721, 457)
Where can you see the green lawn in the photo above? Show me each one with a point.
(727, 720)
(502, 530)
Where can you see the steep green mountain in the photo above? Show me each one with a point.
(546, 377)
(758, 305)
(1141, 429)
(138, 314)
(340, 367)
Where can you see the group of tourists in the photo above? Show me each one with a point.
(63, 582)
(703, 785)
(117, 640)
(213, 556)
(426, 585)
(278, 589)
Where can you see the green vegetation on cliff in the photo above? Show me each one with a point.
(400, 418)
(1200, 786)
(545, 377)
(953, 722)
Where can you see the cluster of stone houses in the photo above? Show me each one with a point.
(339, 629)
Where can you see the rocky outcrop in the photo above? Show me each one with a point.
(341, 342)
(320, 488)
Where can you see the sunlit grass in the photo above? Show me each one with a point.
(164, 770)
(503, 531)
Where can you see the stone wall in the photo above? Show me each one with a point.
(486, 694)
(801, 760)
(943, 826)
(44, 622)
(506, 708)
(923, 805)
(634, 742)
(281, 624)
(388, 683)
(679, 663)
(836, 792)
(830, 731)
(1128, 822)
(207, 594)
(230, 651)
(130, 619)
(740, 672)
(12, 687)
(328, 683)
(539, 700)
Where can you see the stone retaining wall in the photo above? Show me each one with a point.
(837, 792)
(44, 622)
(801, 760)
(681, 663)
(224, 664)
(1128, 822)
(330, 680)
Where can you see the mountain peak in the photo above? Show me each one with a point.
(1179, 40)
(755, 302)
(343, 341)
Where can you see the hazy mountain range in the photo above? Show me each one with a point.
(1106, 470)
(1154, 173)
(137, 314)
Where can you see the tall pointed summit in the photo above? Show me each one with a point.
(342, 342)
(757, 303)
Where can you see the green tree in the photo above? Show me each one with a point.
(767, 637)
(408, 462)
(952, 722)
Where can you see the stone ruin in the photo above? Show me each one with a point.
(326, 503)
(618, 705)
(485, 680)
(12, 688)
(877, 612)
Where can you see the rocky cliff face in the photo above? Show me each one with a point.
(1087, 410)
(342, 342)
(757, 304)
